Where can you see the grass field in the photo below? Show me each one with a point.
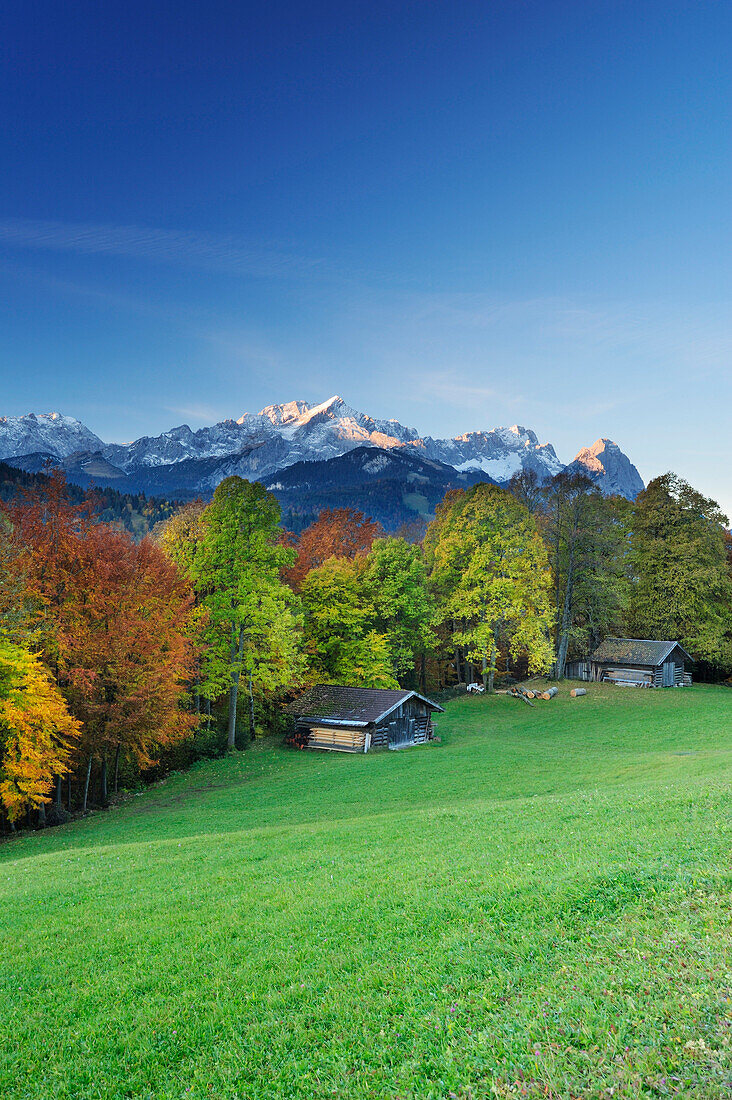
(537, 906)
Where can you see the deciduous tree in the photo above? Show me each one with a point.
(681, 583)
(116, 629)
(336, 533)
(341, 641)
(490, 566)
(587, 537)
(254, 625)
(37, 733)
(404, 608)
(126, 648)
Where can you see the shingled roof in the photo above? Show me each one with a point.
(635, 651)
(350, 705)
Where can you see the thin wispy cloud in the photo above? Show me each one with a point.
(202, 414)
(544, 323)
(457, 393)
(207, 251)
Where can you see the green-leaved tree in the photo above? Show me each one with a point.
(341, 639)
(587, 537)
(404, 607)
(681, 582)
(490, 569)
(254, 625)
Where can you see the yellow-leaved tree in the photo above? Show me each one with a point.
(36, 731)
(490, 573)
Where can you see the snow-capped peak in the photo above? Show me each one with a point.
(54, 433)
(281, 414)
(258, 445)
(525, 436)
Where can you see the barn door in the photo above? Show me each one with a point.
(401, 733)
(668, 674)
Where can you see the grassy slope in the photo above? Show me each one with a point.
(539, 905)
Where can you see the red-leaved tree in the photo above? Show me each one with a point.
(116, 628)
(336, 533)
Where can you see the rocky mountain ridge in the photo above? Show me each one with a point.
(258, 446)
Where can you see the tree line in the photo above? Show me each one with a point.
(136, 512)
(117, 654)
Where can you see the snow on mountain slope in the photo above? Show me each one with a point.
(179, 444)
(334, 424)
(258, 445)
(50, 432)
(500, 453)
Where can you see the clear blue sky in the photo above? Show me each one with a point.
(458, 214)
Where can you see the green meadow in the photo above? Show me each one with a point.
(537, 905)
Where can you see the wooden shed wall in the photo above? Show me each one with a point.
(409, 724)
(653, 674)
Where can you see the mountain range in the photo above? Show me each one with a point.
(307, 454)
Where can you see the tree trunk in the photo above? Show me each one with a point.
(69, 792)
(423, 674)
(42, 815)
(251, 706)
(116, 768)
(236, 655)
(105, 792)
(233, 696)
(557, 568)
(566, 617)
(485, 671)
(492, 670)
(86, 786)
(57, 799)
(208, 715)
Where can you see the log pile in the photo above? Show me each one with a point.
(518, 693)
(345, 740)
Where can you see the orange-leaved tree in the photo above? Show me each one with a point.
(46, 531)
(336, 533)
(126, 650)
(117, 629)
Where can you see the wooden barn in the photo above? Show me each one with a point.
(641, 663)
(351, 719)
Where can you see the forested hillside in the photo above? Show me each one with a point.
(136, 512)
(122, 657)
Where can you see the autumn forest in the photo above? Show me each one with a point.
(122, 658)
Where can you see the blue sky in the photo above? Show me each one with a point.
(457, 214)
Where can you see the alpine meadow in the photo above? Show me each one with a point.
(539, 905)
(365, 727)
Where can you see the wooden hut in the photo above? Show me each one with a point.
(351, 719)
(577, 670)
(641, 662)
